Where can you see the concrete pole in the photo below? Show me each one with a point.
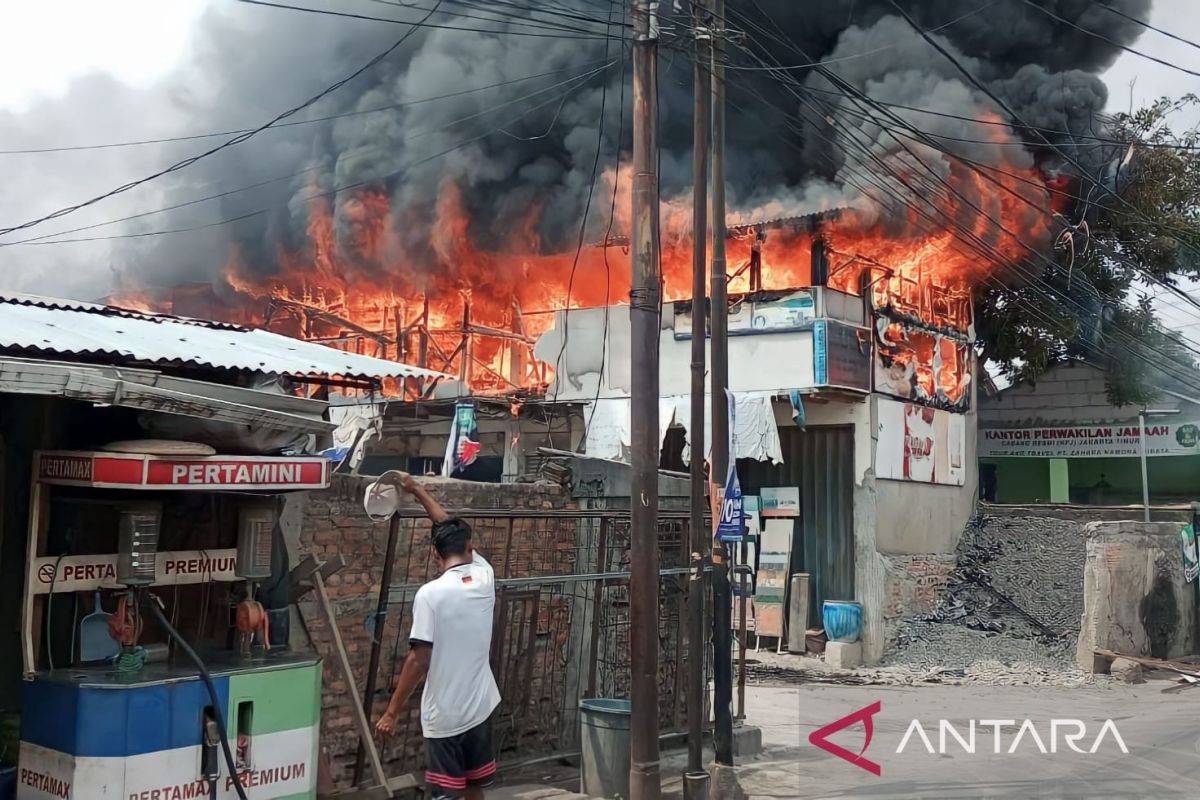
(722, 597)
(1142, 455)
(696, 780)
(644, 315)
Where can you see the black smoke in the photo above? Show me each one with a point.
(794, 145)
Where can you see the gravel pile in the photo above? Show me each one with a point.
(1015, 598)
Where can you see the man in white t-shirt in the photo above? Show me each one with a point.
(449, 647)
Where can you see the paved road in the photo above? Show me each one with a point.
(1161, 732)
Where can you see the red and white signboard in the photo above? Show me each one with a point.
(920, 444)
(88, 573)
(230, 473)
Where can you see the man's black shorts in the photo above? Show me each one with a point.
(456, 762)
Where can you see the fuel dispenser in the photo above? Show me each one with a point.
(171, 687)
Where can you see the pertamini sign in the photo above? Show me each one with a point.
(127, 471)
(1092, 441)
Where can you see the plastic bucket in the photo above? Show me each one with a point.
(842, 619)
(604, 746)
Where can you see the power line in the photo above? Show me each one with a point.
(280, 126)
(356, 153)
(1083, 174)
(330, 193)
(420, 24)
(612, 218)
(854, 56)
(504, 18)
(187, 162)
(984, 249)
(1108, 40)
(1143, 23)
(583, 225)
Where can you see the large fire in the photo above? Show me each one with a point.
(475, 313)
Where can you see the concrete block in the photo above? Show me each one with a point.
(1126, 671)
(747, 741)
(843, 655)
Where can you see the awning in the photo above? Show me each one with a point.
(149, 390)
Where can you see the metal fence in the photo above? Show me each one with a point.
(562, 623)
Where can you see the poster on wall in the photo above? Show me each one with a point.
(790, 312)
(1091, 441)
(770, 585)
(920, 444)
(780, 501)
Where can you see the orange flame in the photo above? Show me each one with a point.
(476, 312)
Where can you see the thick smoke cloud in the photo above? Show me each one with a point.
(526, 145)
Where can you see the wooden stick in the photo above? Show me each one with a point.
(343, 662)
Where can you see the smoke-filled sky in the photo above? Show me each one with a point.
(146, 70)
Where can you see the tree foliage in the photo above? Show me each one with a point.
(1129, 242)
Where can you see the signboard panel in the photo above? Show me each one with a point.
(781, 501)
(1091, 441)
(792, 312)
(122, 471)
(87, 573)
(920, 444)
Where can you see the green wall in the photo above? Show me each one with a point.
(1027, 480)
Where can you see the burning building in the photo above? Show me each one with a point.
(875, 200)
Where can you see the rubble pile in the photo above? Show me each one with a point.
(1014, 598)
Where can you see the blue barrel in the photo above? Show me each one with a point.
(604, 747)
(843, 620)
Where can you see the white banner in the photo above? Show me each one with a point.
(1091, 441)
(87, 573)
(284, 765)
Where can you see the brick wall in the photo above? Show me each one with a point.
(1067, 394)
(913, 585)
(334, 523)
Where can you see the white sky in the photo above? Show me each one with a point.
(43, 45)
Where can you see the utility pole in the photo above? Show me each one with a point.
(645, 309)
(721, 457)
(695, 782)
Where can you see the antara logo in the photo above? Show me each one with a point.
(1061, 735)
(820, 737)
(1072, 731)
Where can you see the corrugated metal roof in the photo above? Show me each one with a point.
(69, 328)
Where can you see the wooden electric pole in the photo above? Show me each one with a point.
(721, 457)
(696, 780)
(644, 313)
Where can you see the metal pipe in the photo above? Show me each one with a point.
(1142, 456)
(701, 125)
(722, 600)
(645, 312)
(381, 608)
(743, 572)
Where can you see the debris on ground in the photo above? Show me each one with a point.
(1015, 597)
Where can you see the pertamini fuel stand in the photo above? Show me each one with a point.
(140, 607)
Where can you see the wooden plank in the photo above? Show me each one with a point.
(300, 579)
(343, 663)
(1182, 667)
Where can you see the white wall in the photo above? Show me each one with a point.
(765, 362)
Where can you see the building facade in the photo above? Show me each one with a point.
(1061, 441)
